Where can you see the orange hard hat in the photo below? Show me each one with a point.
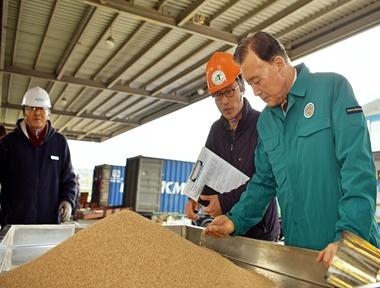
(221, 71)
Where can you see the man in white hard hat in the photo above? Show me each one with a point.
(36, 175)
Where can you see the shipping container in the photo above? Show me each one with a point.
(156, 185)
(174, 177)
(108, 185)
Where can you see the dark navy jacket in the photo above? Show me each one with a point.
(239, 151)
(34, 180)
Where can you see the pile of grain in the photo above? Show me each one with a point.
(126, 250)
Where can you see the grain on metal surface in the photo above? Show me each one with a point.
(127, 250)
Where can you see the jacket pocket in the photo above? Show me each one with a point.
(270, 144)
(273, 149)
(309, 128)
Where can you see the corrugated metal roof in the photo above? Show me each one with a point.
(160, 50)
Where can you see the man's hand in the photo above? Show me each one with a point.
(64, 211)
(326, 255)
(213, 208)
(220, 227)
(192, 206)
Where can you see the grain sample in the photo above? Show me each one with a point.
(127, 250)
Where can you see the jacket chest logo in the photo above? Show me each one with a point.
(308, 111)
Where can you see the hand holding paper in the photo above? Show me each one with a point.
(215, 172)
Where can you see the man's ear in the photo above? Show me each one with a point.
(279, 62)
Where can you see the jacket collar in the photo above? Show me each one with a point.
(298, 89)
(21, 129)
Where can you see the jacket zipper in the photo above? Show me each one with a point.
(36, 190)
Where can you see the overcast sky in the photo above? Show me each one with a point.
(181, 135)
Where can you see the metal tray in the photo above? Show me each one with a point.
(22, 243)
(288, 267)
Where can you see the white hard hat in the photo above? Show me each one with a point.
(36, 97)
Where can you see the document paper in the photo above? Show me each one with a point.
(215, 172)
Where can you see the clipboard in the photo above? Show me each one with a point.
(215, 172)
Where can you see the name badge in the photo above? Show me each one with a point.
(53, 157)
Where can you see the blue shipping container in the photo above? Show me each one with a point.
(116, 187)
(174, 177)
(108, 187)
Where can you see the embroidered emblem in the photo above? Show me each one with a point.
(308, 112)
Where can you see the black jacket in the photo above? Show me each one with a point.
(238, 149)
(34, 180)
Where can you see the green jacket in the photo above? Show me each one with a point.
(318, 162)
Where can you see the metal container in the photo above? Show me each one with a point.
(108, 185)
(286, 266)
(156, 185)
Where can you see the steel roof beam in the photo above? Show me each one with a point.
(153, 16)
(88, 127)
(159, 59)
(323, 12)
(77, 134)
(83, 116)
(67, 124)
(130, 105)
(84, 89)
(162, 112)
(4, 25)
(119, 51)
(115, 78)
(101, 39)
(92, 84)
(10, 84)
(3, 35)
(118, 104)
(347, 26)
(45, 35)
(17, 34)
(117, 132)
(81, 110)
(138, 110)
(87, 19)
(160, 4)
(77, 97)
(91, 131)
(2, 115)
(251, 14)
(196, 65)
(61, 95)
(277, 17)
(183, 59)
(222, 11)
(190, 12)
(109, 100)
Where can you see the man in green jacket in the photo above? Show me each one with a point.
(314, 154)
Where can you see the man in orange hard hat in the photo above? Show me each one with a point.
(36, 175)
(233, 137)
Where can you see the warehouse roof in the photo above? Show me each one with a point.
(112, 65)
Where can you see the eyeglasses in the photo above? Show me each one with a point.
(34, 109)
(218, 96)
